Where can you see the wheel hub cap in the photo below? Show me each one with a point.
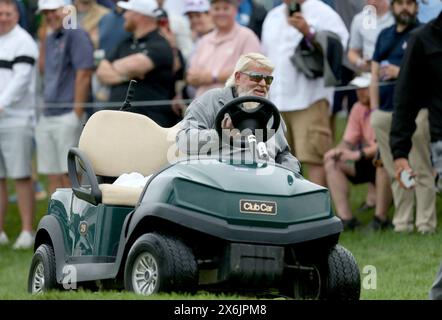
(145, 274)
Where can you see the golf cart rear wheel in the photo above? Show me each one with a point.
(343, 280)
(160, 263)
(42, 275)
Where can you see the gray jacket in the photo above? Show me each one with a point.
(197, 134)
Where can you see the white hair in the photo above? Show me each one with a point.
(244, 62)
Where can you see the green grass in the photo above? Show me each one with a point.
(406, 264)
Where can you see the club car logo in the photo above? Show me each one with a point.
(258, 207)
(82, 228)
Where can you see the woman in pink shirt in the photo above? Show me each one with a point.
(218, 51)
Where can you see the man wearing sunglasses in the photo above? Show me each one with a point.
(252, 77)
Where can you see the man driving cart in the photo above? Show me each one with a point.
(251, 78)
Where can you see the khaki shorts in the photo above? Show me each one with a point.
(309, 133)
(55, 135)
(16, 152)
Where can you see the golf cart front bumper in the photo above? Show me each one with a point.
(220, 228)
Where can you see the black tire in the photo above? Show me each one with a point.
(342, 277)
(170, 265)
(42, 274)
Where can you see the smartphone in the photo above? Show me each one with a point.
(407, 180)
(294, 7)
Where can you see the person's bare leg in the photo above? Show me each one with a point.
(383, 193)
(370, 199)
(26, 202)
(55, 181)
(338, 186)
(3, 202)
(316, 174)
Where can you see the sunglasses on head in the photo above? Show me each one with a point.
(257, 77)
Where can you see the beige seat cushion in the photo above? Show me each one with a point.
(117, 142)
(120, 195)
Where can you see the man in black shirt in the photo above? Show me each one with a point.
(419, 202)
(419, 86)
(146, 57)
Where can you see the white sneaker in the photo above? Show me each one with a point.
(24, 241)
(3, 239)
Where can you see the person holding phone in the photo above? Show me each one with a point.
(304, 103)
(418, 86)
(390, 48)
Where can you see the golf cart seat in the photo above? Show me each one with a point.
(113, 143)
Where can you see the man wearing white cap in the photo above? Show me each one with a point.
(68, 67)
(201, 22)
(146, 57)
(352, 160)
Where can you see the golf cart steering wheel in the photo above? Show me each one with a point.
(256, 118)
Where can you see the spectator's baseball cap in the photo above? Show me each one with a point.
(49, 5)
(362, 81)
(234, 2)
(145, 7)
(196, 6)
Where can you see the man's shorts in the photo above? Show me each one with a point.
(309, 133)
(365, 172)
(55, 135)
(16, 152)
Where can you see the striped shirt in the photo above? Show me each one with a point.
(18, 56)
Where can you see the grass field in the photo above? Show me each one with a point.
(405, 264)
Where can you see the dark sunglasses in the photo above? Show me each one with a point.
(257, 77)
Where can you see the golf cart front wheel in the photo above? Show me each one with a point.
(42, 275)
(343, 280)
(160, 263)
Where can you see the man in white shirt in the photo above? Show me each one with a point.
(304, 102)
(180, 28)
(174, 6)
(364, 32)
(18, 54)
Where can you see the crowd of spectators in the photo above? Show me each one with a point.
(72, 54)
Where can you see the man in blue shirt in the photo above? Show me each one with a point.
(68, 67)
(111, 30)
(389, 52)
(251, 14)
(429, 10)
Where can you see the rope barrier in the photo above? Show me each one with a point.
(152, 103)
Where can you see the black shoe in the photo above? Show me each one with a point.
(350, 224)
(377, 224)
(365, 207)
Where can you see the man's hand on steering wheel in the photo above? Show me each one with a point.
(240, 119)
(227, 124)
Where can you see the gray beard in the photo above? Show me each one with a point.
(248, 105)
